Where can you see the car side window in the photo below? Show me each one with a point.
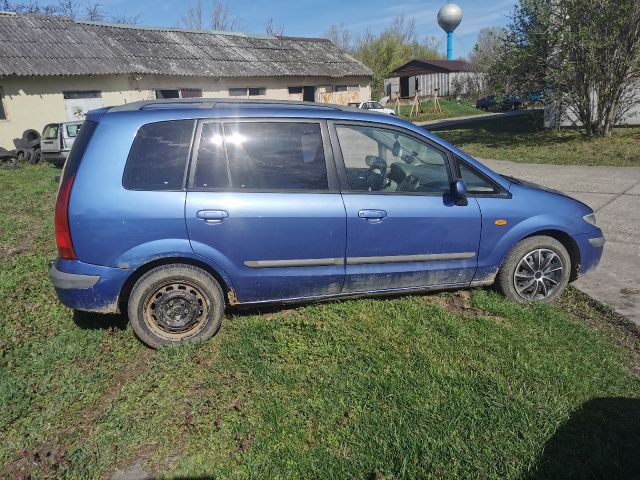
(276, 156)
(474, 181)
(211, 168)
(158, 156)
(383, 160)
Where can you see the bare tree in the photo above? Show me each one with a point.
(477, 83)
(94, 12)
(403, 29)
(272, 29)
(192, 19)
(340, 36)
(222, 19)
(124, 18)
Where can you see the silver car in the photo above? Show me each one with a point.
(57, 140)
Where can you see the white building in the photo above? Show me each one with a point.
(54, 69)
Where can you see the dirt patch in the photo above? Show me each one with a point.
(24, 246)
(459, 303)
(50, 459)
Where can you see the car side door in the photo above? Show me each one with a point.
(263, 204)
(405, 228)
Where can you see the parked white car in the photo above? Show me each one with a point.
(373, 107)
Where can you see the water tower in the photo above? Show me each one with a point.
(449, 17)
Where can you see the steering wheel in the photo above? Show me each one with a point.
(409, 184)
(376, 176)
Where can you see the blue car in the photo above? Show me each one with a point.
(173, 211)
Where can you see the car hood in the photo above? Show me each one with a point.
(526, 183)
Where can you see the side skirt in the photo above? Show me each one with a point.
(368, 293)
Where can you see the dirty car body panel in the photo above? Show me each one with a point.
(322, 238)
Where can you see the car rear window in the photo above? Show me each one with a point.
(50, 132)
(276, 156)
(158, 156)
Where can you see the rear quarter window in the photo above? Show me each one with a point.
(159, 156)
(79, 147)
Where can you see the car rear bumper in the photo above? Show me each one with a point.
(55, 157)
(88, 287)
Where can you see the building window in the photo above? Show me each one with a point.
(179, 93)
(347, 88)
(294, 90)
(3, 114)
(190, 93)
(77, 94)
(247, 91)
(160, 94)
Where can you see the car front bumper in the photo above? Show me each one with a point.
(83, 286)
(591, 246)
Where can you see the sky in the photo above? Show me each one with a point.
(313, 18)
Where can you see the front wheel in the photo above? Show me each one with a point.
(175, 304)
(536, 270)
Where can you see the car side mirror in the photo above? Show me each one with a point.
(460, 192)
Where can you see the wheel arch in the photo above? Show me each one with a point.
(567, 242)
(221, 278)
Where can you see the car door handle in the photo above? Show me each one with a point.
(373, 216)
(212, 216)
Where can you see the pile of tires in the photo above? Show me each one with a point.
(28, 147)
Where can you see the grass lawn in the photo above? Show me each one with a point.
(451, 385)
(450, 108)
(522, 139)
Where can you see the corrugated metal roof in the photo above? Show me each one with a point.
(46, 46)
(418, 67)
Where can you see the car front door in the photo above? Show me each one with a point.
(405, 229)
(264, 205)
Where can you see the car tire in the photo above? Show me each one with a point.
(23, 155)
(537, 269)
(174, 304)
(36, 156)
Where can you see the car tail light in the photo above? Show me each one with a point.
(63, 233)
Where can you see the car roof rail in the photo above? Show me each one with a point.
(174, 103)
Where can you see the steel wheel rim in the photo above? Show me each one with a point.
(538, 274)
(176, 310)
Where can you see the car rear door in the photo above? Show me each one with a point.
(264, 204)
(404, 227)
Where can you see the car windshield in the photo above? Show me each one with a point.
(50, 131)
(375, 105)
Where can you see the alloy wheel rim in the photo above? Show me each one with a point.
(538, 274)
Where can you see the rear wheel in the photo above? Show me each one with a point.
(536, 270)
(175, 304)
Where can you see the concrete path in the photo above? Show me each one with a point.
(451, 122)
(614, 193)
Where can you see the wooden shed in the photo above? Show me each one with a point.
(425, 76)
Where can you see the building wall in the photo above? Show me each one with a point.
(33, 102)
(445, 82)
(555, 116)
